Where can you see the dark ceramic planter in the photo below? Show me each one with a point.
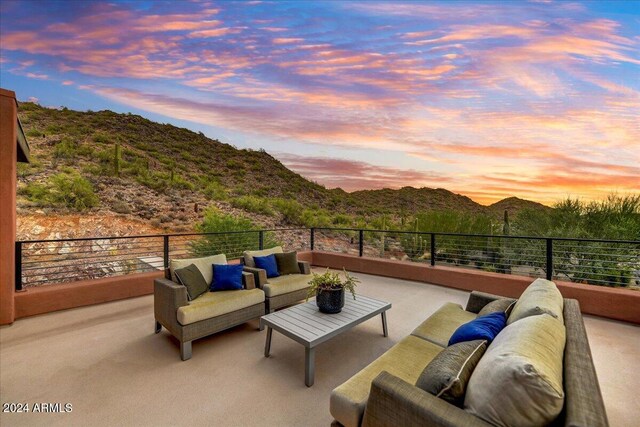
(330, 301)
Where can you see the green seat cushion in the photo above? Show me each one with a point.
(213, 304)
(542, 296)
(191, 278)
(519, 380)
(439, 327)
(204, 264)
(248, 255)
(287, 263)
(447, 375)
(284, 284)
(406, 360)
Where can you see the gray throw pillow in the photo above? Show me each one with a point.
(447, 375)
(287, 263)
(500, 305)
(191, 278)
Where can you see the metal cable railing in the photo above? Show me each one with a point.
(592, 261)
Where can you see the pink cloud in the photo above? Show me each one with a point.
(353, 175)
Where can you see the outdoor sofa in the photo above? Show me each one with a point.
(385, 393)
(279, 291)
(210, 312)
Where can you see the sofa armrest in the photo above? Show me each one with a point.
(304, 266)
(259, 275)
(394, 402)
(583, 403)
(168, 296)
(248, 280)
(477, 300)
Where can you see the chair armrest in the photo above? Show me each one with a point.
(304, 266)
(168, 296)
(259, 275)
(248, 280)
(477, 300)
(394, 402)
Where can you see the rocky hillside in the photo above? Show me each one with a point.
(135, 171)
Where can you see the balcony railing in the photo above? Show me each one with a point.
(592, 261)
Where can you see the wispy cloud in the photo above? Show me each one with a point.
(464, 93)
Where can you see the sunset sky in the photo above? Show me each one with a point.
(539, 99)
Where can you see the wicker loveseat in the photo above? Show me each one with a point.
(384, 393)
(279, 291)
(207, 314)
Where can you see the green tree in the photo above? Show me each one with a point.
(231, 235)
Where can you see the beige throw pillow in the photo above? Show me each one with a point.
(447, 375)
(518, 381)
(504, 305)
(248, 255)
(542, 296)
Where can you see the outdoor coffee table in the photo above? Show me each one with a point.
(305, 324)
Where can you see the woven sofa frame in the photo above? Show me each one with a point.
(394, 402)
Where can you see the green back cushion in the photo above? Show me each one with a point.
(248, 255)
(287, 263)
(518, 381)
(204, 264)
(191, 278)
(447, 375)
(542, 296)
(504, 305)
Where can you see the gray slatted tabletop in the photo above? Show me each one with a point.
(305, 324)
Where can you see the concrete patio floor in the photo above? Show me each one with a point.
(106, 361)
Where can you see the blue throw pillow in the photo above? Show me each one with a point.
(226, 277)
(267, 263)
(480, 328)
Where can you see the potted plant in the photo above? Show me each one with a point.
(329, 290)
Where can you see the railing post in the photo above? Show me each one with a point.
(18, 266)
(361, 242)
(433, 249)
(261, 239)
(312, 238)
(549, 259)
(166, 251)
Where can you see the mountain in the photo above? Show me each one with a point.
(513, 205)
(106, 164)
(409, 200)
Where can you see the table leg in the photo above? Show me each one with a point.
(267, 345)
(384, 324)
(310, 365)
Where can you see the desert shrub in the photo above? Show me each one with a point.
(65, 149)
(65, 189)
(290, 209)
(35, 192)
(33, 133)
(26, 169)
(53, 129)
(73, 191)
(252, 204)
(342, 220)
(314, 218)
(181, 183)
(215, 191)
(102, 138)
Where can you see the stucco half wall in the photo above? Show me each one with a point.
(612, 303)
